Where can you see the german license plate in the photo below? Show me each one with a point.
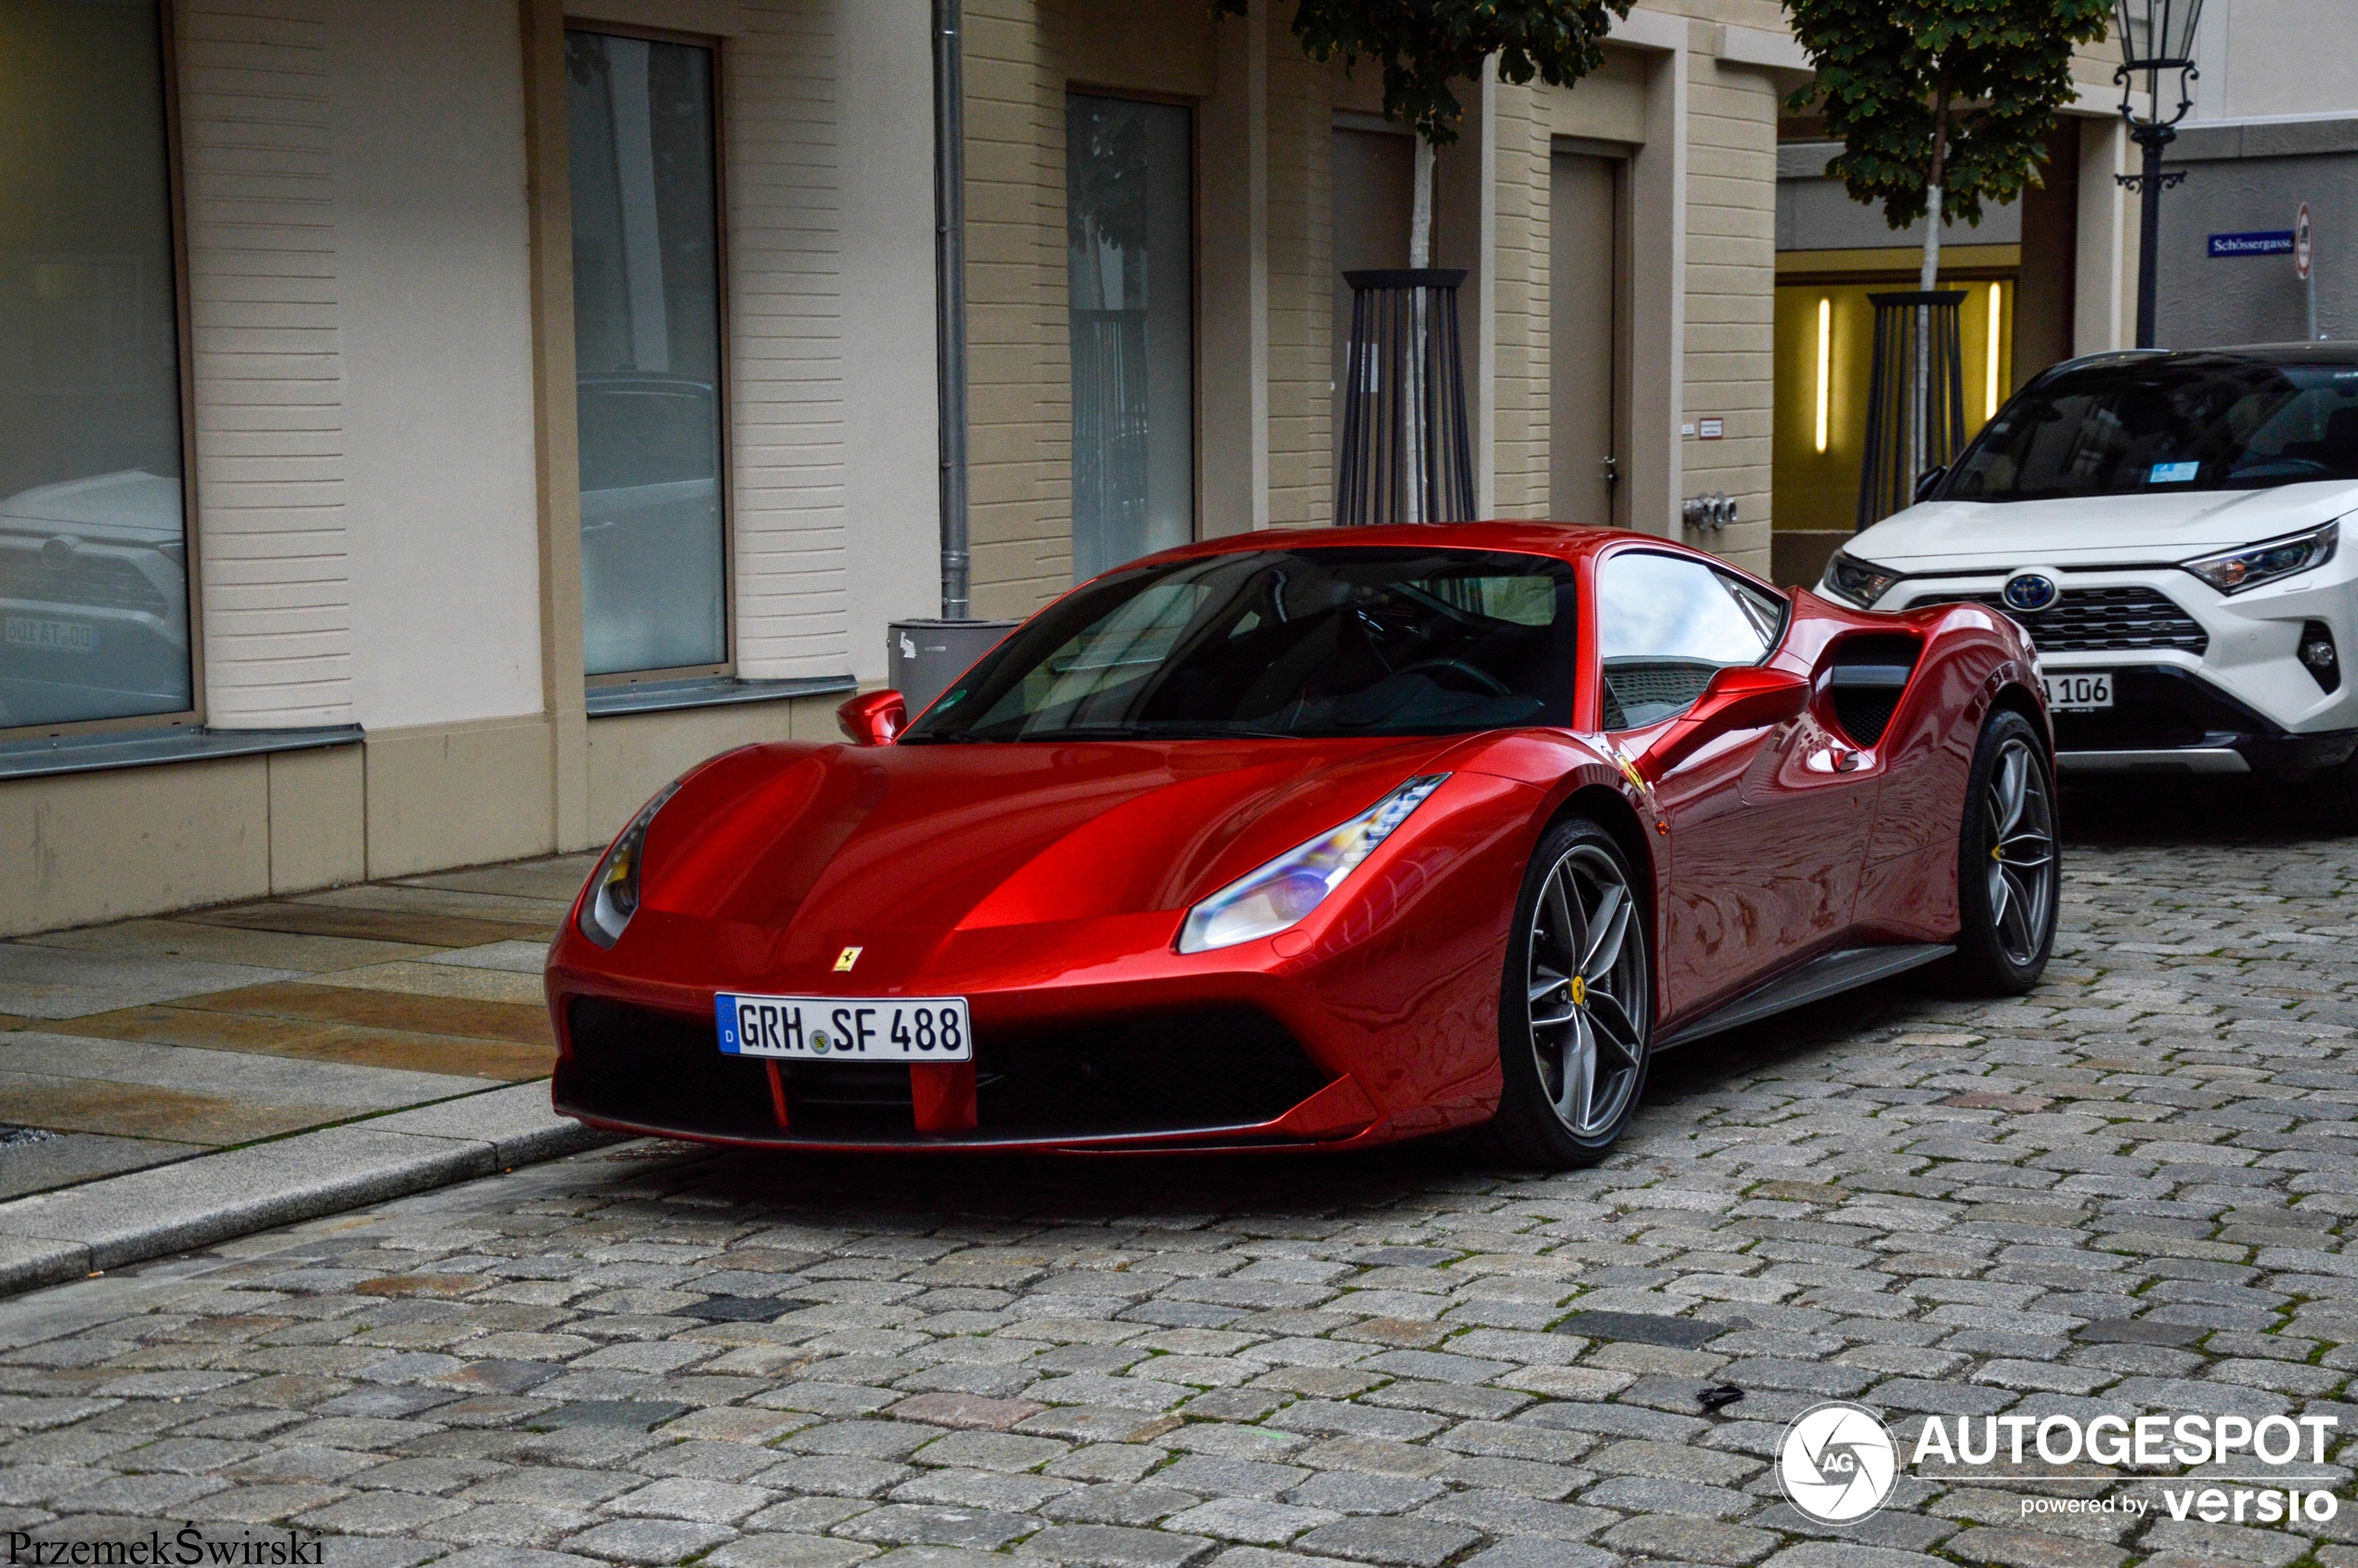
(2079, 693)
(48, 636)
(914, 1028)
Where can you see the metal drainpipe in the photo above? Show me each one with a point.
(950, 301)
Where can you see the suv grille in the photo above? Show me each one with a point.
(1219, 1067)
(2098, 619)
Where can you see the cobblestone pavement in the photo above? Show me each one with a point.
(2123, 1194)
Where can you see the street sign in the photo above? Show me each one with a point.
(2300, 243)
(2268, 242)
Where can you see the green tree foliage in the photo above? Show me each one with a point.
(1954, 94)
(1425, 44)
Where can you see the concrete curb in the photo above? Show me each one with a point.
(53, 1237)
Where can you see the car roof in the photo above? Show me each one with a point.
(2282, 353)
(1561, 541)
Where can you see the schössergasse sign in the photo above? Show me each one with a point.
(1838, 1462)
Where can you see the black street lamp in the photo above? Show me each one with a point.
(2156, 36)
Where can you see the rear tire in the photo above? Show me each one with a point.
(1575, 1005)
(2009, 864)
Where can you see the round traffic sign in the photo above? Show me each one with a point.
(2300, 243)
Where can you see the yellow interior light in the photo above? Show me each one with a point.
(1997, 299)
(1825, 348)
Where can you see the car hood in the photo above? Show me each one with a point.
(838, 838)
(2095, 531)
(130, 507)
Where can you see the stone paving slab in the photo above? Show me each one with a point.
(474, 982)
(555, 876)
(49, 983)
(414, 1050)
(255, 1079)
(514, 1022)
(225, 944)
(424, 929)
(63, 1159)
(132, 1111)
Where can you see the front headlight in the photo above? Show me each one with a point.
(1296, 882)
(614, 886)
(1860, 582)
(2233, 571)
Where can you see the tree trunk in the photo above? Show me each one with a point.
(1418, 395)
(1928, 278)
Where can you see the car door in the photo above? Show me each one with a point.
(1767, 825)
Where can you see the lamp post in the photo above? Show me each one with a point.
(2156, 36)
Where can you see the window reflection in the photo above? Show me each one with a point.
(646, 300)
(1129, 184)
(94, 588)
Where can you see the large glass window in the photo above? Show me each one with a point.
(1130, 232)
(646, 303)
(1666, 625)
(94, 584)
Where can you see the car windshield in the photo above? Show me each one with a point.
(2160, 425)
(1316, 642)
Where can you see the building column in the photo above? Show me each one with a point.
(557, 436)
(1233, 288)
(2104, 311)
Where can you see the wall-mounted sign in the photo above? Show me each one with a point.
(1710, 430)
(2272, 242)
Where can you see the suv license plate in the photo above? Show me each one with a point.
(2079, 693)
(912, 1028)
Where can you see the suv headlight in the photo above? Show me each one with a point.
(1280, 893)
(612, 897)
(1860, 582)
(2233, 571)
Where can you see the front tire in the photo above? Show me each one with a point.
(2009, 864)
(1576, 1009)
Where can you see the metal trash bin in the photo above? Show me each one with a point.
(924, 658)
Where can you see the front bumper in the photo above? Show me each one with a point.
(1210, 1076)
(2168, 719)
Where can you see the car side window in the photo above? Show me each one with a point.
(1666, 625)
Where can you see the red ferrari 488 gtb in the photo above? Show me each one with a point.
(1318, 839)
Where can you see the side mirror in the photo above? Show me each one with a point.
(1743, 697)
(1929, 481)
(873, 717)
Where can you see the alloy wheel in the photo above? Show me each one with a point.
(2022, 853)
(1589, 1010)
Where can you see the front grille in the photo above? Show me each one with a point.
(1221, 1066)
(1224, 1067)
(636, 1065)
(107, 582)
(2099, 620)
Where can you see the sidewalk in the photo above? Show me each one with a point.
(396, 1013)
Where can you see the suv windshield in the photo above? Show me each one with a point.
(2160, 424)
(1319, 641)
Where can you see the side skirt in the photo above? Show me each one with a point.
(1827, 974)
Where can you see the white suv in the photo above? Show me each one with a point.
(2167, 526)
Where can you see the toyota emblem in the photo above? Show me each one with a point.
(2030, 591)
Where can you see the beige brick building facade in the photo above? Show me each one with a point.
(386, 473)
